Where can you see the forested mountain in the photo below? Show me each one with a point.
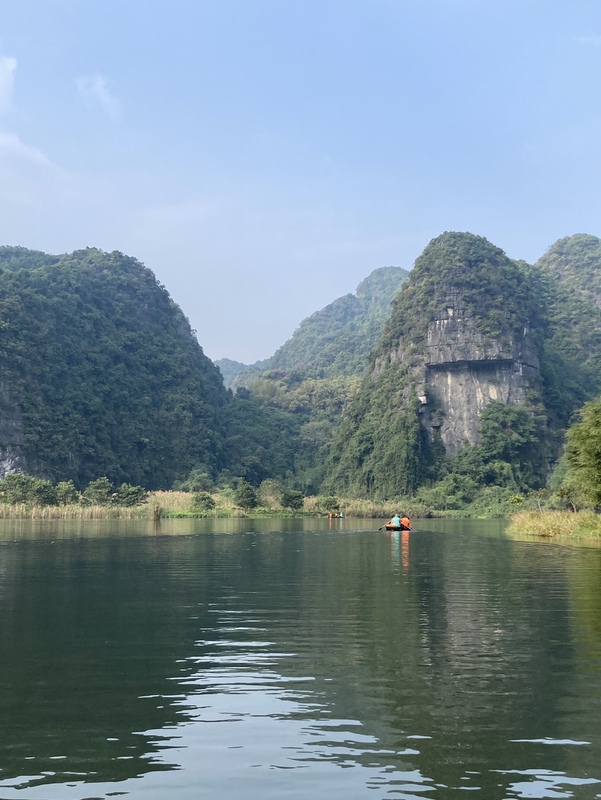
(333, 341)
(306, 384)
(338, 339)
(100, 373)
(576, 259)
(478, 370)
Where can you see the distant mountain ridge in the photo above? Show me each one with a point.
(334, 341)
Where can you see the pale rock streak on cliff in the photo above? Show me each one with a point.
(464, 370)
(11, 432)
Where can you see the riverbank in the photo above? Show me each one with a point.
(172, 504)
(176, 504)
(560, 524)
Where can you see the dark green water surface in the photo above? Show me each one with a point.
(296, 659)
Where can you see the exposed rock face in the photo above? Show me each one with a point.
(11, 432)
(464, 370)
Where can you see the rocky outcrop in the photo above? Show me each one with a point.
(461, 333)
(464, 370)
(11, 432)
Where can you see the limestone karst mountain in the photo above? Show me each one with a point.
(100, 373)
(465, 339)
(334, 341)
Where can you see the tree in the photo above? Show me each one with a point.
(17, 488)
(245, 495)
(66, 493)
(203, 501)
(270, 493)
(199, 480)
(98, 493)
(328, 503)
(43, 493)
(293, 499)
(584, 452)
(128, 495)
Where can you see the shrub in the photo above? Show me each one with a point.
(128, 495)
(19, 488)
(43, 493)
(199, 480)
(328, 503)
(245, 495)
(66, 493)
(98, 493)
(203, 501)
(293, 499)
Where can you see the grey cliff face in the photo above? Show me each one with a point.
(463, 370)
(11, 432)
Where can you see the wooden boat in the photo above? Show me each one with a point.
(397, 528)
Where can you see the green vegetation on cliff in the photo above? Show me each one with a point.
(576, 260)
(100, 375)
(383, 447)
(380, 450)
(338, 339)
(105, 370)
(583, 453)
(489, 283)
(567, 281)
(300, 392)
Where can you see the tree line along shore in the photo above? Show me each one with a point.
(25, 497)
(102, 375)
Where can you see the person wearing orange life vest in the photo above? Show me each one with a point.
(406, 523)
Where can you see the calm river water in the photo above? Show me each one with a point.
(296, 660)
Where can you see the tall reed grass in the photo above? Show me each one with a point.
(163, 503)
(550, 524)
(25, 511)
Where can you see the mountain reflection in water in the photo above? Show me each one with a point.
(291, 661)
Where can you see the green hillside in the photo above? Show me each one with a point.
(334, 341)
(338, 339)
(567, 281)
(477, 368)
(105, 371)
(504, 324)
(577, 261)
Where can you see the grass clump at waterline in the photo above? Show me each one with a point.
(551, 524)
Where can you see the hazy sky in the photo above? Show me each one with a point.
(263, 156)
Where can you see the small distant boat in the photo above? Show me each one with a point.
(397, 528)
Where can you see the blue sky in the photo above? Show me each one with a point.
(263, 156)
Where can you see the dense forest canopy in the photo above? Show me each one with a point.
(567, 282)
(105, 369)
(101, 375)
(462, 264)
(383, 445)
(576, 261)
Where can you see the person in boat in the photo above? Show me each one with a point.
(405, 522)
(395, 521)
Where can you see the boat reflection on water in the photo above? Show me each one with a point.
(399, 548)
